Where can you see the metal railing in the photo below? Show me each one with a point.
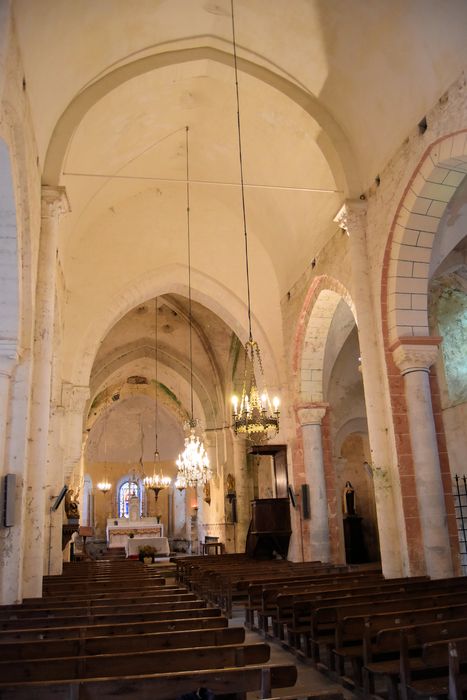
(460, 503)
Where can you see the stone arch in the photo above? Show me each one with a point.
(172, 278)
(315, 319)
(432, 186)
(332, 140)
(354, 425)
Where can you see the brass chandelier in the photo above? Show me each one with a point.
(193, 462)
(253, 415)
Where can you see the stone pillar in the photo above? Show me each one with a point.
(8, 361)
(243, 494)
(74, 400)
(352, 218)
(179, 513)
(11, 538)
(310, 420)
(54, 203)
(53, 564)
(414, 357)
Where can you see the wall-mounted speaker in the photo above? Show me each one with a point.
(59, 498)
(293, 500)
(9, 495)
(306, 513)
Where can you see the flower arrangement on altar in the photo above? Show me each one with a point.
(146, 552)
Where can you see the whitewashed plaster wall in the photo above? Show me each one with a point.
(17, 132)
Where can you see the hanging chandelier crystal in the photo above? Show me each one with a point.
(255, 416)
(193, 462)
(156, 482)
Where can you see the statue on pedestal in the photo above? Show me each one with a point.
(349, 499)
(71, 506)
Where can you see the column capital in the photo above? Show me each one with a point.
(74, 397)
(9, 356)
(54, 202)
(415, 353)
(352, 215)
(311, 414)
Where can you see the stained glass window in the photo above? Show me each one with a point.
(126, 489)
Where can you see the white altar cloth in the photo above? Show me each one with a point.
(117, 534)
(160, 544)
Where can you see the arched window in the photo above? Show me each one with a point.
(127, 489)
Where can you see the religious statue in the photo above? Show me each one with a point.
(349, 499)
(230, 483)
(71, 506)
(207, 493)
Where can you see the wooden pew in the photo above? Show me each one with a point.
(118, 608)
(147, 597)
(87, 646)
(92, 587)
(354, 634)
(125, 592)
(445, 671)
(83, 631)
(317, 620)
(382, 657)
(261, 594)
(135, 663)
(279, 605)
(163, 686)
(194, 609)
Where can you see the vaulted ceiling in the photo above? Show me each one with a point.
(329, 89)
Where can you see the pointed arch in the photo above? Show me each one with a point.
(332, 140)
(321, 301)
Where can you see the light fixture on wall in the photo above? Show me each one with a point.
(253, 415)
(157, 482)
(193, 462)
(104, 485)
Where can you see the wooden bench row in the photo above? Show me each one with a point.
(149, 643)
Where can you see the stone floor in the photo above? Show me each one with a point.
(309, 679)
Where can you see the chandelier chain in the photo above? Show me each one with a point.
(156, 422)
(254, 416)
(189, 260)
(242, 184)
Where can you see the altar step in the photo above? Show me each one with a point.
(113, 554)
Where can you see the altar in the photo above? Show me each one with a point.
(160, 544)
(120, 530)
